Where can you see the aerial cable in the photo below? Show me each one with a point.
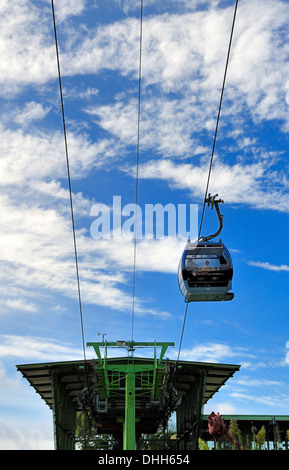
(218, 117)
(180, 345)
(208, 180)
(137, 165)
(183, 329)
(69, 184)
(170, 407)
(181, 341)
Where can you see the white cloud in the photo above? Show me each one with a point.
(25, 422)
(36, 240)
(31, 112)
(39, 155)
(21, 304)
(178, 57)
(36, 349)
(274, 401)
(213, 353)
(269, 266)
(37, 258)
(224, 408)
(27, 42)
(167, 126)
(26, 434)
(25, 56)
(238, 183)
(253, 382)
(152, 255)
(68, 8)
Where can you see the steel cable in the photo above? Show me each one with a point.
(137, 167)
(69, 186)
(218, 116)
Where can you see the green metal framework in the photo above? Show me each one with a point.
(60, 385)
(149, 377)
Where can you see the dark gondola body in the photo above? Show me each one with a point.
(205, 272)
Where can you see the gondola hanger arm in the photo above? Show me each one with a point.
(214, 203)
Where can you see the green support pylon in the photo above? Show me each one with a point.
(129, 441)
(130, 370)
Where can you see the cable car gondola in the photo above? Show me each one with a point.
(206, 270)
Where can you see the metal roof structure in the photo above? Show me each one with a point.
(73, 376)
(259, 420)
(195, 382)
(39, 377)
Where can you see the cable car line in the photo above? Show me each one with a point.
(137, 165)
(194, 284)
(205, 270)
(70, 190)
(218, 117)
(183, 329)
(172, 397)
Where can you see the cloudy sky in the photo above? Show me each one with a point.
(185, 44)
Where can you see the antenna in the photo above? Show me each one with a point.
(103, 335)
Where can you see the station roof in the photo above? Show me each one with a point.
(257, 418)
(73, 376)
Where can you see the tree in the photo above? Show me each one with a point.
(87, 437)
(203, 445)
(162, 440)
(261, 438)
(236, 434)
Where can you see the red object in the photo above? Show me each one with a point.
(217, 427)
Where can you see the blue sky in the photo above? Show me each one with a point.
(184, 50)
